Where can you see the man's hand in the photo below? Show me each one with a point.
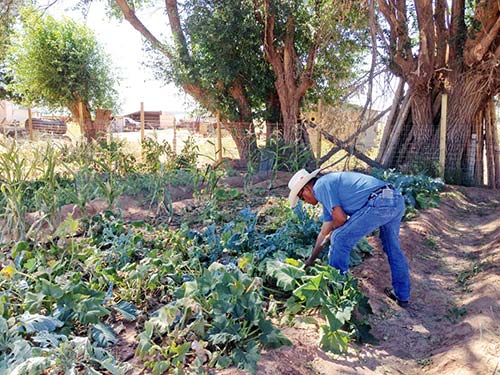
(309, 262)
(321, 240)
(339, 218)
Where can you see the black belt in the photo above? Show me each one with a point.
(379, 190)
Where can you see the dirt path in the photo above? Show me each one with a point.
(453, 324)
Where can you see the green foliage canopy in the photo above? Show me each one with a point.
(344, 25)
(8, 14)
(222, 42)
(59, 63)
(338, 33)
(221, 49)
(226, 46)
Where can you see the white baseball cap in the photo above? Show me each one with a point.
(297, 182)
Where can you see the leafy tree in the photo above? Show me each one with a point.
(219, 51)
(310, 42)
(437, 47)
(221, 55)
(60, 64)
(215, 58)
(8, 13)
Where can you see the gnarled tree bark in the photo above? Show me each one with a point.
(453, 56)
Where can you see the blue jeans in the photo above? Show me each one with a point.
(383, 213)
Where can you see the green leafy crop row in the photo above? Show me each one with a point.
(43, 179)
(197, 298)
(205, 297)
(420, 191)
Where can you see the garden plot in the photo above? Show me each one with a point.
(135, 285)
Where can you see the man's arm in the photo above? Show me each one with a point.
(339, 218)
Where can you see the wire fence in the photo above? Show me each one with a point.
(316, 143)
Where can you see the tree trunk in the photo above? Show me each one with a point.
(243, 134)
(496, 148)
(273, 116)
(88, 129)
(293, 79)
(417, 145)
(289, 110)
(192, 84)
(448, 56)
(466, 99)
(102, 121)
(489, 145)
(478, 138)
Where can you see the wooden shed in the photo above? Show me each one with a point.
(153, 119)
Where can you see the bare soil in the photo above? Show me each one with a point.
(453, 323)
(452, 326)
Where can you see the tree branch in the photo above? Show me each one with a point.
(237, 91)
(130, 16)
(476, 52)
(457, 31)
(400, 48)
(269, 48)
(360, 82)
(368, 125)
(289, 55)
(175, 26)
(373, 37)
(426, 33)
(345, 145)
(305, 78)
(441, 33)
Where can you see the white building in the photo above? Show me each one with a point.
(11, 113)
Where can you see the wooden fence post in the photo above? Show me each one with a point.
(175, 138)
(142, 122)
(442, 134)
(30, 123)
(80, 119)
(472, 160)
(218, 151)
(318, 131)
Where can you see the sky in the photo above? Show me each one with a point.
(124, 45)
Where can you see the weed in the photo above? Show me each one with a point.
(430, 242)
(424, 361)
(463, 278)
(456, 313)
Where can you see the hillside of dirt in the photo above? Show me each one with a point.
(453, 323)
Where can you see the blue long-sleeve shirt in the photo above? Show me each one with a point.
(349, 190)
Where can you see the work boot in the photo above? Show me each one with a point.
(390, 293)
